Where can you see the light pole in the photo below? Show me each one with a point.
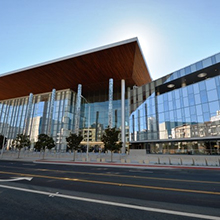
(87, 148)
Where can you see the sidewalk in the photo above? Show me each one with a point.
(125, 165)
(104, 161)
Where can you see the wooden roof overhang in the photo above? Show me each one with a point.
(92, 69)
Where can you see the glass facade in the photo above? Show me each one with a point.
(38, 115)
(182, 115)
(54, 114)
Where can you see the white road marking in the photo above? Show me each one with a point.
(16, 179)
(53, 194)
(194, 215)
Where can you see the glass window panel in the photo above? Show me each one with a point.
(160, 108)
(210, 84)
(197, 99)
(182, 72)
(193, 67)
(161, 117)
(190, 89)
(200, 119)
(199, 109)
(217, 80)
(192, 110)
(177, 95)
(175, 75)
(177, 103)
(213, 60)
(206, 117)
(203, 96)
(212, 95)
(196, 88)
(175, 116)
(171, 106)
(188, 70)
(165, 97)
(179, 115)
(187, 114)
(191, 99)
(186, 101)
(207, 62)
(188, 120)
(166, 108)
(178, 73)
(174, 104)
(214, 106)
(184, 91)
(170, 96)
(199, 65)
(202, 86)
(217, 57)
(160, 99)
(194, 118)
(218, 91)
(205, 107)
(167, 116)
(181, 102)
(171, 116)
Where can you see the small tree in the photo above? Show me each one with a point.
(1, 141)
(111, 141)
(21, 140)
(73, 142)
(44, 142)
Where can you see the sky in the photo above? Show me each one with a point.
(172, 33)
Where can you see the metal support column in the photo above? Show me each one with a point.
(78, 107)
(110, 98)
(27, 119)
(123, 115)
(50, 119)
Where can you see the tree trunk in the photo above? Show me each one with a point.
(111, 156)
(19, 153)
(74, 155)
(43, 154)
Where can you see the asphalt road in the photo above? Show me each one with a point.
(88, 192)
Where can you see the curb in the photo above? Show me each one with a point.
(123, 165)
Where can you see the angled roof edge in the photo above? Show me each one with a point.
(143, 56)
(108, 46)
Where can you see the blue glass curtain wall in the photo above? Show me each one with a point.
(13, 118)
(192, 111)
(195, 67)
(184, 117)
(59, 123)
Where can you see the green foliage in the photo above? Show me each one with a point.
(1, 141)
(21, 140)
(44, 141)
(73, 141)
(110, 139)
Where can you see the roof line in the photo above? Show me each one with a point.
(143, 57)
(74, 55)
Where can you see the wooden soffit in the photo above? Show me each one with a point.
(92, 69)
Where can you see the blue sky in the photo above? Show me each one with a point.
(172, 33)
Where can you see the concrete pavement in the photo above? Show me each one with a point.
(120, 160)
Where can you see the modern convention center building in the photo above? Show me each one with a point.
(111, 86)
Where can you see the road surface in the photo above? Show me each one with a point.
(46, 191)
